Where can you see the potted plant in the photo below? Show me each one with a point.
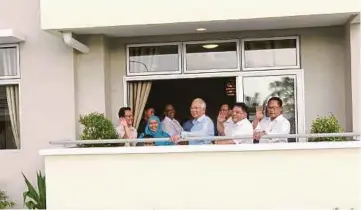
(327, 124)
(35, 198)
(5, 203)
(97, 126)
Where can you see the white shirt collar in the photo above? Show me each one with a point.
(229, 120)
(199, 119)
(278, 119)
(241, 121)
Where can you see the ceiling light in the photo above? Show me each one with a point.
(201, 29)
(210, 46)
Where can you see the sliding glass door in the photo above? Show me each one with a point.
(256, 89)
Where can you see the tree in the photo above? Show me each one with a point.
(252, 102)
(285, 89)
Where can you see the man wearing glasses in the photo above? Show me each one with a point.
(125, 128)
(276, 123)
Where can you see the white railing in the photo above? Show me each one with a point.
(219, 138)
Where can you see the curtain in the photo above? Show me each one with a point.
(12, 96)
(12, 93)
(138, 93)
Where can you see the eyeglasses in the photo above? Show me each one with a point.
(128, 116)
(273, 107)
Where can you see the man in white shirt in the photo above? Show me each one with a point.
(225, 110)
(170, 125)
(125, 128)
(238, 126)
(275, 123)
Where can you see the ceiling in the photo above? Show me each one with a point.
(220, 26)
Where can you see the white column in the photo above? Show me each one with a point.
(93, 77)
(353, 39)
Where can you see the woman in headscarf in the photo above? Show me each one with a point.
(154, 129)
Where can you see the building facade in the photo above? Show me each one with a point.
(76, 57)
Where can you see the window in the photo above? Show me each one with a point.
(9, 97)
(9, 56)
(211, 56)
(258, 89)
(275, 53)
(153, 59)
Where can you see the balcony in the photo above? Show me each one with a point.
(322, 175)
(159, 17)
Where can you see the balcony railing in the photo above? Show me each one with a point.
(213, 138)
(315, 175)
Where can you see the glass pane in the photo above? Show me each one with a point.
(270, 53)
(153, 59)
(7, 140)
(208, 56)
(8, 61)
(257, 91)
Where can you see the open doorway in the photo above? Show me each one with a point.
(181, 92)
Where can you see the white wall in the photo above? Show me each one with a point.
(352, 44)
(303, 179)
(92, 76)
(62, 14)
(322, 58)
(46, 95)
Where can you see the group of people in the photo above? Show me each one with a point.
(233, 124)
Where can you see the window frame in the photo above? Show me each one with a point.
(184, 55)
(18, 74)
(179, 44)
(243, 56)
(299, 92)
(14, 80)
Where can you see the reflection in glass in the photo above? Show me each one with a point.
(257, 91)
(270, 53)
(8, 58)
(153, 59)
(207, 56)
(7, 114)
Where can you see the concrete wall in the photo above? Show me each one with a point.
(65, 14)
(92, 76)
(322, 58)
(47, 100)
(302, 179)
(352, 54)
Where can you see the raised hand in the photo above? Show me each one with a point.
(259, 115)
(221, 117)
(123, 122)
(175, 138)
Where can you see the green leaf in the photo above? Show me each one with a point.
(41, 188)
(328, 124)
(96, 126)
(5, 203)
(35, 198)
(31, 193)
(31, 205)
